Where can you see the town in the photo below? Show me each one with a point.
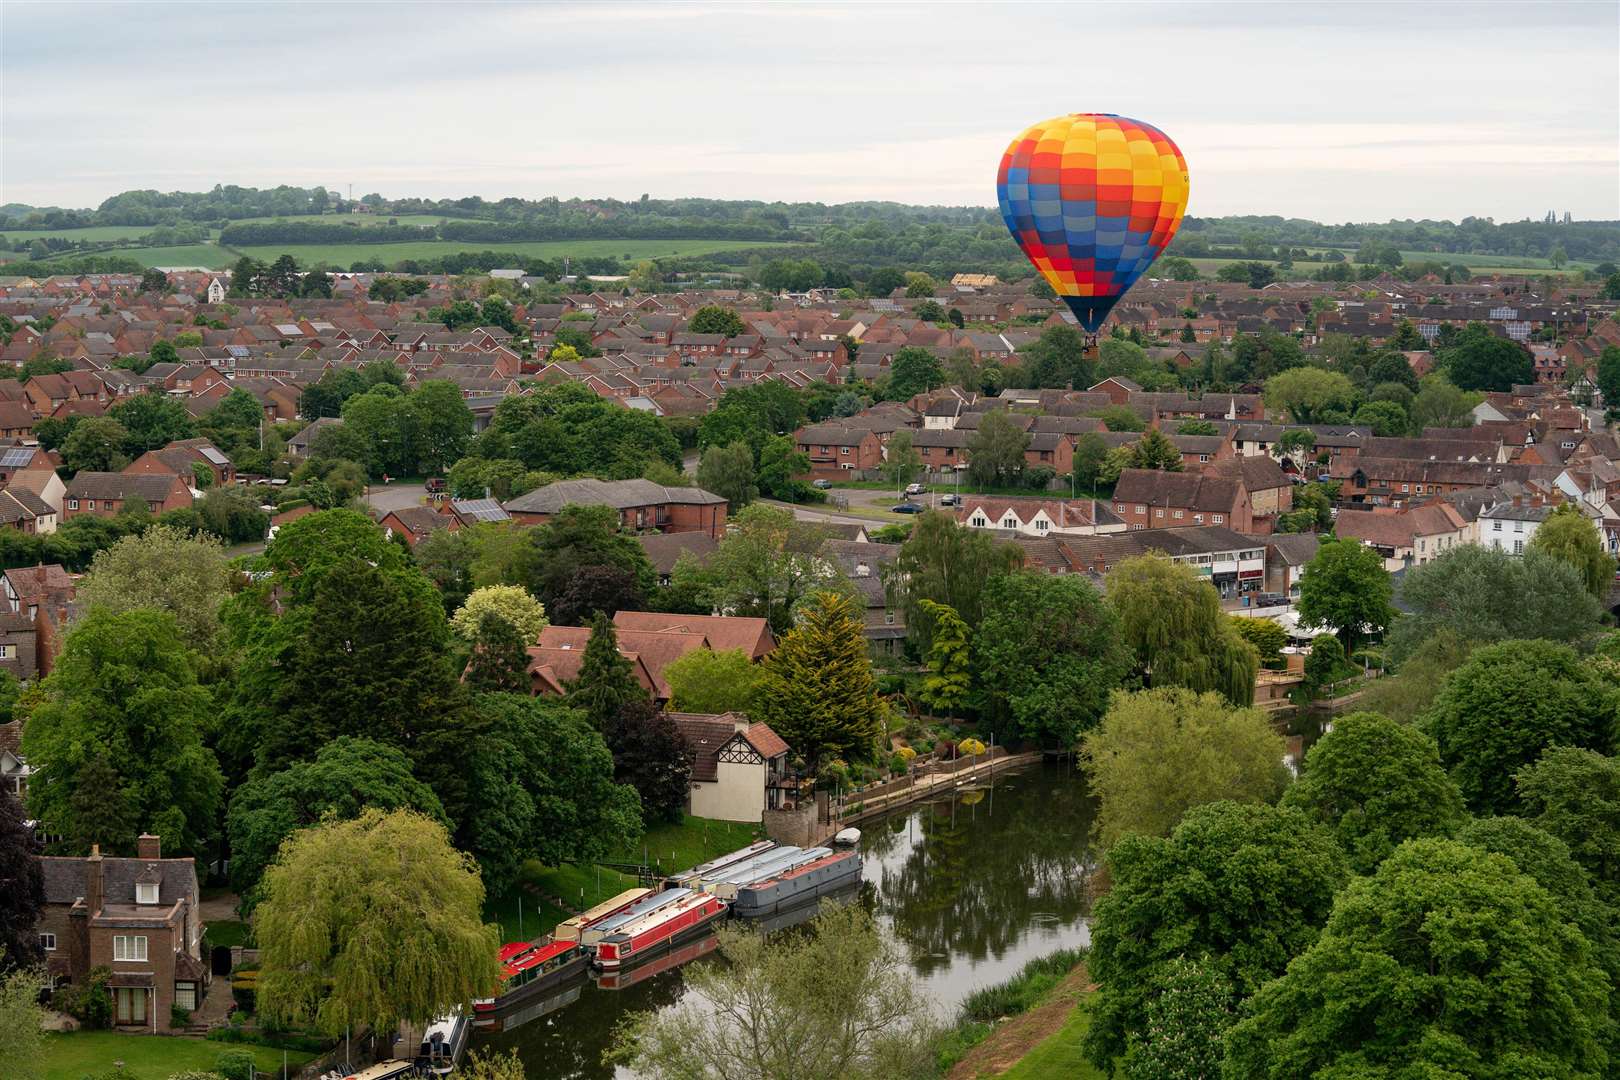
(751, 541)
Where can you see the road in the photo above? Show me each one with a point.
(381, 499)
(866, 506)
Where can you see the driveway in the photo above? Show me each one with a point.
(383, 498)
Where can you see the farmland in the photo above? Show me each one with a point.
(91, 234)
(342, 255)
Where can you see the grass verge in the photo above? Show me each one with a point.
(1059, 1057)
(673, 846)
(74, 1055)
(984, 1009)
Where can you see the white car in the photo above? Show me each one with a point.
(915, 489)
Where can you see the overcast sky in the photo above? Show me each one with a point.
(1349, 111)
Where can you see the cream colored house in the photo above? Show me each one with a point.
(739, 769)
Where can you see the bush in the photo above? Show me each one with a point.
(897, 763)
(179, 1017)
(235, 1065)
(278, 1040)
(1021, 992)
(1326, 663)
(89, 1004)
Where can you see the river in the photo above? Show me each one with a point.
(971, 887)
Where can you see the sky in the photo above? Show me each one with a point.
(1347, 111)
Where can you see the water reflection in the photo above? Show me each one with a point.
(971, 886)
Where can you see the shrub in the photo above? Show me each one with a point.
(1020, 993)
(179, 1017)
(235, 1065)
(89, 1004)
(897, 763)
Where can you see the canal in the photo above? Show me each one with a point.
(970, 886)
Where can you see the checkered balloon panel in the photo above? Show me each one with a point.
(1092, 199)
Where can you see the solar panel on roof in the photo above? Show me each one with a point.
(213, 455)
(15, 457)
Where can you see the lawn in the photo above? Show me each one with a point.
(674, 847)
(226, 932)
(1059, 1056)
(146, 1057)
(92, 234)
(343, 255)
(582, 886)
(207, 256)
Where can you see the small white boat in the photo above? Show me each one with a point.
(847, 837)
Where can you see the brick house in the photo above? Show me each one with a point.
(1151, 499)
(834, 449)
(641, 505)
(138, 917)
(415, 522)
(106, 493)
(179, 459)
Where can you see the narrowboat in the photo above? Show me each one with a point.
(532, 1008)
(661, 929)
(798, 883)
(387, 1070)
(590, 935)
(694, 878)
(569, 929)
(674, 958)
(529, 969)
(442, 1044)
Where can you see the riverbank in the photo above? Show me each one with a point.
(901, 793)
(1041, 1043)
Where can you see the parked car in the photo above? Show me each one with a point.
(950, 500)
(907, 508)
(915, 489)
(822, 484)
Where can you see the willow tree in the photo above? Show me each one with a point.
(1568, 536)
(1172, 618)
(371, 922)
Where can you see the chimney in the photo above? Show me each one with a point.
(148, 846)
(1518, 500)
(92, 880)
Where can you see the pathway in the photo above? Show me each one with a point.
(1014, 1038)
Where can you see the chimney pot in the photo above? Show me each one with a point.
(148, 846)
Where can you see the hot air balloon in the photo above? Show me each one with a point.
(1092, 199)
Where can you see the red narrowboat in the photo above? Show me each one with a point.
(658, 930)
(527, 969)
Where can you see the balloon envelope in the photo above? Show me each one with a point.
(1092, 199)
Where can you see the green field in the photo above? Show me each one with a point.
(1479, 264)
(345, 254)
(208, 256)
(147, 1057)
(94, 233)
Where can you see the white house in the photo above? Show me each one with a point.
(1040, 517)
(739, 769)
(216, 291)
(1508, 526)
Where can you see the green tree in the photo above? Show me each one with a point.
(164, 569)
(23, 1052)
(1047, 654)
(929, 311)
(346, 776)
(1310, 395)
(500, 658)
(125, 690)
(1386, 418)
(1346, 589)
(1479, 360)
(95, 444)
(1445, 962)
(996, 450)
(913, 370)
(817, 691)
(370, 922)
(1159, 753)
(1154, 450)
(511, 602)
(1117, 418)
(1246, 887)
(1197, 427)
(1440, 404)
(607, 680)
(577, 538)
(728, 471)
(152, 420)
(1510, 702)
(1608, 373)
(901, 461)
(1267, 637)
(1568, 536)
(768, 563)
(1574, 794)
(1172, 619)
(441, 426)
(544, 778)
(714, 319)
(1376, 783)
(1089, 453)
(713, 681)
(948, 564)
(1059, 359)
(836, 1001)
(950, 660)
(1484, 595)
(1187, 1021)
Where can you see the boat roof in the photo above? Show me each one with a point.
(514, 948)
(538, 956)
(704, 869)
(607, 907)
(781, 866)
(651, 918)
(806, 867)
(384, 1070)
(641, 907)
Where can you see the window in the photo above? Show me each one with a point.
(1119, 508)
(8, 652)
(1496, 526)
(1203, 457)
(1141, 509)
(844, 450)
(1159, 512)
(1405, 487)
(146, 893)
(1179, 515)
(1041, 526)
(1518, 526)
(888, 617)
(1518, 547)
(1199, 518)
(1220, 519)
(129, 947)
(47, 942)
(73, 504)
(185, 995)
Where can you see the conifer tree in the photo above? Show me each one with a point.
(818, 692)
(500, 662)
(607, 681)
(950, 663)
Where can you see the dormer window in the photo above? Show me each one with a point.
(146, 893)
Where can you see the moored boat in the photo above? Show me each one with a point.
(623, 979)
(660, 929)
(693, 878)
(821, 872)
(529, 969)
(570, 929)
(592, 934)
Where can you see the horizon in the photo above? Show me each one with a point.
(875, 103)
